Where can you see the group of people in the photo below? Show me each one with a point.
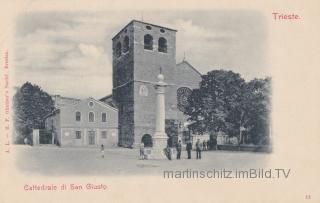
(206, 145)
(198, 146)
(169, 151)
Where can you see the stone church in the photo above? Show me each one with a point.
(140, 51)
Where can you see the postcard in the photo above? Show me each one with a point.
(140, 101)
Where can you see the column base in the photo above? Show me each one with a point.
(159, 145)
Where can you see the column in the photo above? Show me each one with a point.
(159, 138)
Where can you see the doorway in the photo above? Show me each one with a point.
(147, 140)
(92, 137)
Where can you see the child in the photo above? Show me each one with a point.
(102, 150)
(142, 156)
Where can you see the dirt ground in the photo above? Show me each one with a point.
(55, 161)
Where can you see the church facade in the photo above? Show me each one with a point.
(140, 51)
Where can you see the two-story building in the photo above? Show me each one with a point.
(85, 122)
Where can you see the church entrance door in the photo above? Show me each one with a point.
(146, 140)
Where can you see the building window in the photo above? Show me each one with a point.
(118, 49)
(91, 117)
(162, 45)
(78, 116)
(148, 42)
(148, 27)
(104, 117)
(104, 134)
(78, 134)
(162, 30)
(126, 44)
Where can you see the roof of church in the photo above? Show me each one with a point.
(132, 21)
(106, 97)
(187, 63)
(108, 100)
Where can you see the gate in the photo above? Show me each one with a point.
(45, 136)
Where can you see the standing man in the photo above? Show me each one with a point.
(179, 149)
(214, 144)
(189, 148)
(198, 148)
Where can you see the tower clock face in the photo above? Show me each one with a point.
(183, 94)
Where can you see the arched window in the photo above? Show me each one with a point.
(78, 116)
(91, 117)
(126, 44)
(118, 49)
(148, 42)
(162, 45)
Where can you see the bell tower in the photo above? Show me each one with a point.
(140, 50)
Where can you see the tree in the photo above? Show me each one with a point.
(225, 102)
(257, 107)
(31, 105)
(215, 106)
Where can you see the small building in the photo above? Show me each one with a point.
(85, 122)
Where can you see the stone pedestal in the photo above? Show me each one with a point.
(159, 138)
(158, 148)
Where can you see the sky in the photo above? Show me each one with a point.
(70, 54)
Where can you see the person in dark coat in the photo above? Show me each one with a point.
(209, 145)
(189, 148)
(214, 144)
(198, 148)
(178, 149)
